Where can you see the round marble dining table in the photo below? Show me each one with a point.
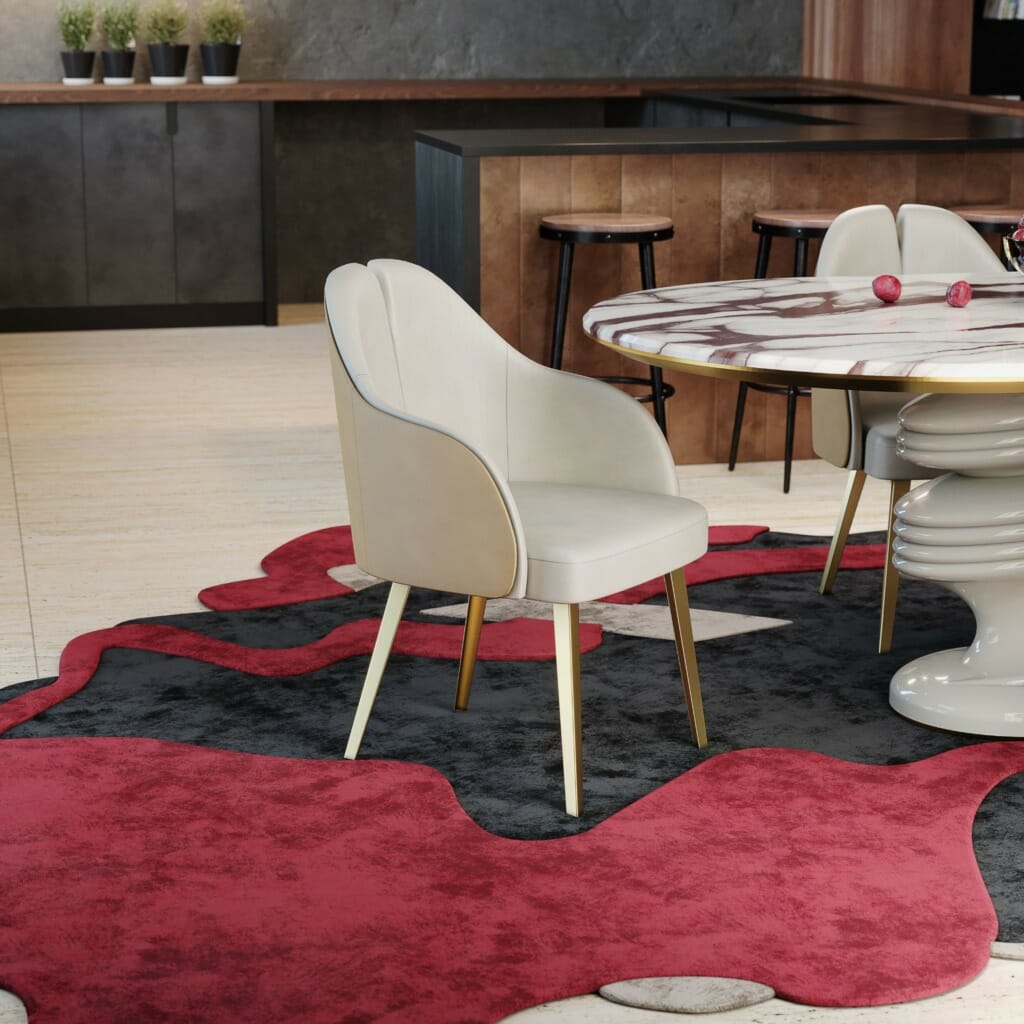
(964, 529)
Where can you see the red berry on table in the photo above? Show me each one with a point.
(886, 287)
(1018, 235)
(958, 293)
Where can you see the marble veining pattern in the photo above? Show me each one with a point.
(828, 326)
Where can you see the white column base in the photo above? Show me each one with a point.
(945, 691)
(168, 80)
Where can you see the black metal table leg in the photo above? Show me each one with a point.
(647, 281)
(561, 303)
(792, 393)
(737, 425)
(764, 248)
(800, 263)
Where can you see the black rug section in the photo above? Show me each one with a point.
(814, 685)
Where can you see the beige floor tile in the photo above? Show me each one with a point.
(996, 996)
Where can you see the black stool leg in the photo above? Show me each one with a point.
(800, 263)
(792, 393)
(764, 248)
(737, 425)
(647, 281)
(561, 303)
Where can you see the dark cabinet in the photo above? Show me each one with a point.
(128, 170)
(136, 214)
(42, 209)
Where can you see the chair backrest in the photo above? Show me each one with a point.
(861, 242)
(937, 241)
(410, 343)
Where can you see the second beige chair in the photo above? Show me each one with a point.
(473, 470)
(856, 430)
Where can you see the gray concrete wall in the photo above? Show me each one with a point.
(472, 38)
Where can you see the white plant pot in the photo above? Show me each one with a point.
(220, 79)
(118, 81)
(76, 81)
(167, 80)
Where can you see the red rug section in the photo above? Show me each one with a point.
(297, 570)
(513, 640)
(151, 881)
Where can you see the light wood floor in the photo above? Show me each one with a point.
(137, 467)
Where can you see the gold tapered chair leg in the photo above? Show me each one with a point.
(890, 577)
(389, 623)
(567, 668)
(679, 607)
(854, 486)
(470, 644)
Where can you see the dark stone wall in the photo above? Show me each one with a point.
(472, 38)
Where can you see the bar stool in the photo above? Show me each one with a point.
(571, 229)
(992, 220)
(800, 225)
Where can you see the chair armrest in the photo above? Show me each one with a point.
(427, 509)
(577, 430)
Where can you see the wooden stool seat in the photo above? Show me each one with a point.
(606, 223)
(795, 220)
(992, 218)
(641, 229)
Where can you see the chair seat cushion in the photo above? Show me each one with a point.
(583, 543)
(881, 460)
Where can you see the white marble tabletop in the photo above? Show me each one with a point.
(829, 332)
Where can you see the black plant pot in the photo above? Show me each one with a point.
(220, 62)
(77, 66)
(118, 67)
(168, 61)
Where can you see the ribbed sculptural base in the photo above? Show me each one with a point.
(965, 531)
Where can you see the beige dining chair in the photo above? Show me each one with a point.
(472, 469)
(856, 430)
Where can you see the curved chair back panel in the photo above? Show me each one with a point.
(861, 242)
(406, 478)
(937, 241)
(454, 376)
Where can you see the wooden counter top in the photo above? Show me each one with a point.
(342, 90)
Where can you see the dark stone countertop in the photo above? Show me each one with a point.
(775, 120)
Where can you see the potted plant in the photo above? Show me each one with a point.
(221, 23)
(76, 23)
(120, 22)
(164, 23)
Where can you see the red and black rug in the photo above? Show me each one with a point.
(188, 880)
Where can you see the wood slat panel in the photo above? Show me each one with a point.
(921, 44)
(500, 246)
(596, 187)
(545, 187)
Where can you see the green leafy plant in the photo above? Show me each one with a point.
(76, 22)
(165, 21)
(120, 23)
(221, 21)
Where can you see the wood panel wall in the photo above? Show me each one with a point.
(920, 44)
(711, 198)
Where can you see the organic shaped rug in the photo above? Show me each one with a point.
(152, 881)
(282, 679)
